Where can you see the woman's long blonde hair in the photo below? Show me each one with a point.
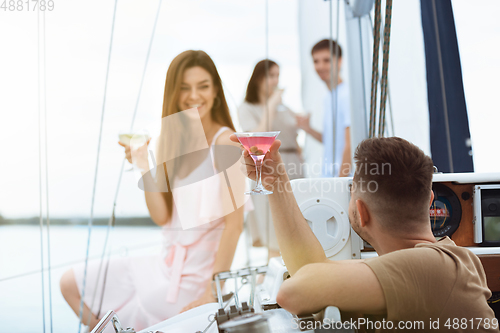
(219, 113)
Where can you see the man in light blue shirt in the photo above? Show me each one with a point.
(339, 94)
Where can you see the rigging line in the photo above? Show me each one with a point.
(389, 100)
(376, 49)
(362, 67)
(47, 174)
(334, 78)
(268, 115)
(80, 317)
(385, 66)
(111, 222)
(146, 64)
(331, 47)
(245, 226)
(103, 283)
(71, 263)
(40, 165)
(227, 92)
(389, 104)
(325, 165)
(443, 87)
(335, 114)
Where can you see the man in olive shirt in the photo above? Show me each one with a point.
(415, 280)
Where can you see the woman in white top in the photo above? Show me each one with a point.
(263, 111)
(188, 197)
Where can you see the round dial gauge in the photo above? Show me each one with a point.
(445, 211)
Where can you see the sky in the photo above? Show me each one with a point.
(233, 33)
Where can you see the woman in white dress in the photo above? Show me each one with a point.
(200, 224)
(264, 111)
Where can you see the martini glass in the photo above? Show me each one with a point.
(134, 139)
(257, 144)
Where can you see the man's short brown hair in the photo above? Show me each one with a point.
(325, 45)
(396, 176)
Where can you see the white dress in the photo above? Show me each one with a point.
(146, 290)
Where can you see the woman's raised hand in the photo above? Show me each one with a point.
(275, 98)
(137, 156)
(272, 166)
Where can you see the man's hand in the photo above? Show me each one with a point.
(272, 165)
(297, 243)
(275, 98)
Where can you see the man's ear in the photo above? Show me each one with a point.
(364, 213)
(432, 198)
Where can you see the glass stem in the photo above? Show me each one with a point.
(258, 166)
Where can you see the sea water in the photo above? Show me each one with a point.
(21, 305)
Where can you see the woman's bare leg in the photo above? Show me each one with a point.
(71, 294)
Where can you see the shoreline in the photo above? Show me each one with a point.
(142, 221)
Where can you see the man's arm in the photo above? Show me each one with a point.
(349, 285)
(297, 242)
(345, 167)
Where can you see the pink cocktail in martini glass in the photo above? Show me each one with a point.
(257, 144)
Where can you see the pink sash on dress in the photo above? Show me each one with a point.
(175, 259)
(200, 243)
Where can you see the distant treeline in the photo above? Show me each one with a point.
(119, 221)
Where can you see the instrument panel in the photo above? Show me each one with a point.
(445, 211)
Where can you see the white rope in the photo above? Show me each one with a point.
(42, 107)
(96, 168)
(334, 80)
(78, 261)
(47, 175)
(268, 127)
(111, 222)
(362, 65)
(40, 166)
